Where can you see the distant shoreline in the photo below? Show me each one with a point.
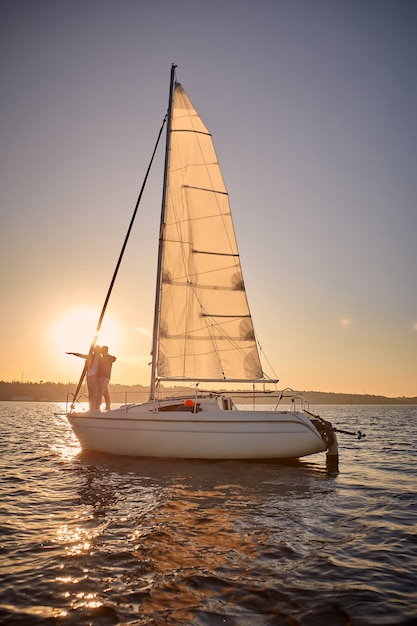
(61, 392)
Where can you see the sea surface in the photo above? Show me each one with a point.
(94, 539)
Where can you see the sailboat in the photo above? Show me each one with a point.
(203, 331)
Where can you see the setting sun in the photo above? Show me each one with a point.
(75, 331)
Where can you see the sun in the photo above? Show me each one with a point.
(75, 331)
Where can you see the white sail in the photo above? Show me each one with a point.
(205, 327)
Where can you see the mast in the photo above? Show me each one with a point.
(161, 240)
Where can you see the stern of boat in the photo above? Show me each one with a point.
(328, 434)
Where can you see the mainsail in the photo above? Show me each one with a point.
(205, 330)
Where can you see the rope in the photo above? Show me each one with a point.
(110, 289)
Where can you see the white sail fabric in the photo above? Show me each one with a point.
(205, 327)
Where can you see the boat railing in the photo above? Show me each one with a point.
(70, 402)
(287, 399)
(119, 399)
(297, 400)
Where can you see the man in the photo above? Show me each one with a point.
(104, 374)
(92, 368)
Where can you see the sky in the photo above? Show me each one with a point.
(312, 106)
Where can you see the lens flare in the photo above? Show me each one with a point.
(346, 321)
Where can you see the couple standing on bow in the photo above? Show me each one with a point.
(99, 364)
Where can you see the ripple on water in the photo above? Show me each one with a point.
(107, 540)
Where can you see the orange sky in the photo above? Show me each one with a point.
(313, 117)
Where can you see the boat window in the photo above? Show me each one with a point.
(181, 407)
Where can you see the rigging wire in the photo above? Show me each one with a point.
(262, 353)
(110, 289)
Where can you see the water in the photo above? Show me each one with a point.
(94, 539)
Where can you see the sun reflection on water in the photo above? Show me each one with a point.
(66, 446)
(87, 600)
(79, 540)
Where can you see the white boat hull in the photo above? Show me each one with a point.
(211, 433)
